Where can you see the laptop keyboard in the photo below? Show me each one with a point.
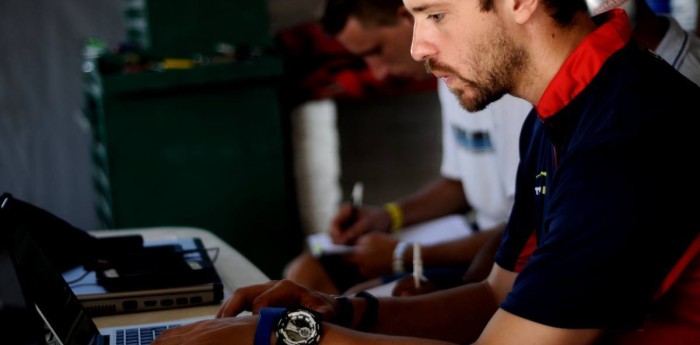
(141, 335)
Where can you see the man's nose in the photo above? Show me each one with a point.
(421, 48)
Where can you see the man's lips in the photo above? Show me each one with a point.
(446, 78)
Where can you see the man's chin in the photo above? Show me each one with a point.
(470, 100)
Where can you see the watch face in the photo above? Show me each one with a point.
(299, 327)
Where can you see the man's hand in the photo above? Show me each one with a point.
(374, 254)
(368, 219)
(281, 293)
(222, 331)
(407, 287)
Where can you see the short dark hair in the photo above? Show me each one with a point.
(369, 12)
(384, 12)
(562, 11)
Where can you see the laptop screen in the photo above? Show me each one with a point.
(16, 316)
(42, 284)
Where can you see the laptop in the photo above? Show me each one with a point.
(60, 317)
(122, 274)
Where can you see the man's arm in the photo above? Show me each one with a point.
(462, 250)
(508, 329)
(467, 309)
(458, 315)
(455, 315)
(439, 198)
(479, 268)
(373, 255)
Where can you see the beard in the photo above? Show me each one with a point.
(493, 72)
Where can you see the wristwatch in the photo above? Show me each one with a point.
(299, 327)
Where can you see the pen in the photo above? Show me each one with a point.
(417, 265)
(356, 202)
(357, 191)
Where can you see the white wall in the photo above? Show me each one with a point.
(44, 141)
(44, 145)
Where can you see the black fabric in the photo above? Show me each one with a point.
(343, 274)
(369, 316)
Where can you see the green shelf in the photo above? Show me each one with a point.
(204, 147)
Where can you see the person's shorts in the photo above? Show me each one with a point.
(343, 274)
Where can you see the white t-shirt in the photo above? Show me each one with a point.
(481, 150)
(681, 49)
(685, 12)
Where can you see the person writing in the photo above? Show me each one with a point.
(601, 245)
(480, 157)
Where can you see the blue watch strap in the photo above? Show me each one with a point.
(267, 318)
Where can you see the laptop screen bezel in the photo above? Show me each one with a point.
(42, 284)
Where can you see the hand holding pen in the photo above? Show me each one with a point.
(346, 218)
(357, 194)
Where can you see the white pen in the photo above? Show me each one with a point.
(357, 191)
(356, 203)
(417, 265)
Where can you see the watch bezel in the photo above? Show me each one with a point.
(313, 323)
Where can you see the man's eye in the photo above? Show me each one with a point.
(436, 17)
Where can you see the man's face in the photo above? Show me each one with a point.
(385, 49)
(467, 47)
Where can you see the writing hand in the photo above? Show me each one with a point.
(368, 219)
(373, 254)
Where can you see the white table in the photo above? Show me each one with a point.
(234, 270)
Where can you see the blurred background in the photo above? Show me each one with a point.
(234, 117)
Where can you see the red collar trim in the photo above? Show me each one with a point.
(584, 63)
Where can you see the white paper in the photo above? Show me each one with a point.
(441, 229)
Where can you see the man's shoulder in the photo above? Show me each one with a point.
(635, 73)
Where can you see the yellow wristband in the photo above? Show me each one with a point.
(396, 216)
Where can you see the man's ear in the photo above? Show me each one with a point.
(523, 9)
(404, 15)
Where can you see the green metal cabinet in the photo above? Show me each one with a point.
(204, 147)
(186, 27)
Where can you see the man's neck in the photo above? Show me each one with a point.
(552, 46)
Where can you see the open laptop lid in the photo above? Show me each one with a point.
(19, 323)
(42, 285)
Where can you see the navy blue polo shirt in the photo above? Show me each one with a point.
(601, 219)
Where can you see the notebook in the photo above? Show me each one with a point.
(60, 318)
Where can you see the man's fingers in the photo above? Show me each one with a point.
(243, 299)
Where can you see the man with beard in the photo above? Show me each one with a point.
(477, 174)
(602, 244)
